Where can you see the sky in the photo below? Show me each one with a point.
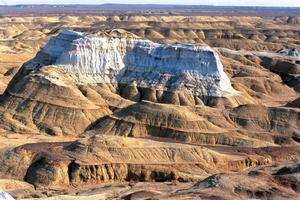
(289, 3)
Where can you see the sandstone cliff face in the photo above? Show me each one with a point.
(108, 59)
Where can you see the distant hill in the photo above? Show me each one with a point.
(145, 9)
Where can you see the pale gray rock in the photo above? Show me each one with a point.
(5, 196)
(104, 59)
(290, 52)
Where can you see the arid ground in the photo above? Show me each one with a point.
(64, 139)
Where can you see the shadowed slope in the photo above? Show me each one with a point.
(49, 101)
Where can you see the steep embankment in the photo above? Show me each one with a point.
(49, 101)
(143, 70)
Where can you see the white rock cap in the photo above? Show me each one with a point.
(5, 196)
(120, 60)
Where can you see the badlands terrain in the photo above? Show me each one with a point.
(158, 106)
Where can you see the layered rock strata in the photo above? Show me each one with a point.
(98, 58)
(110, 158)
(49, 101)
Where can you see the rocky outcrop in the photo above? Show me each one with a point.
(265, 76)
(201, 125)
(123, 60)
(260, 118)
(5, 196)
(110, 158)
(243, 126)
(49, 101)
(255, 184)
(140, 117)
(290, 52)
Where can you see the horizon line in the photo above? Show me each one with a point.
(149, 4)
